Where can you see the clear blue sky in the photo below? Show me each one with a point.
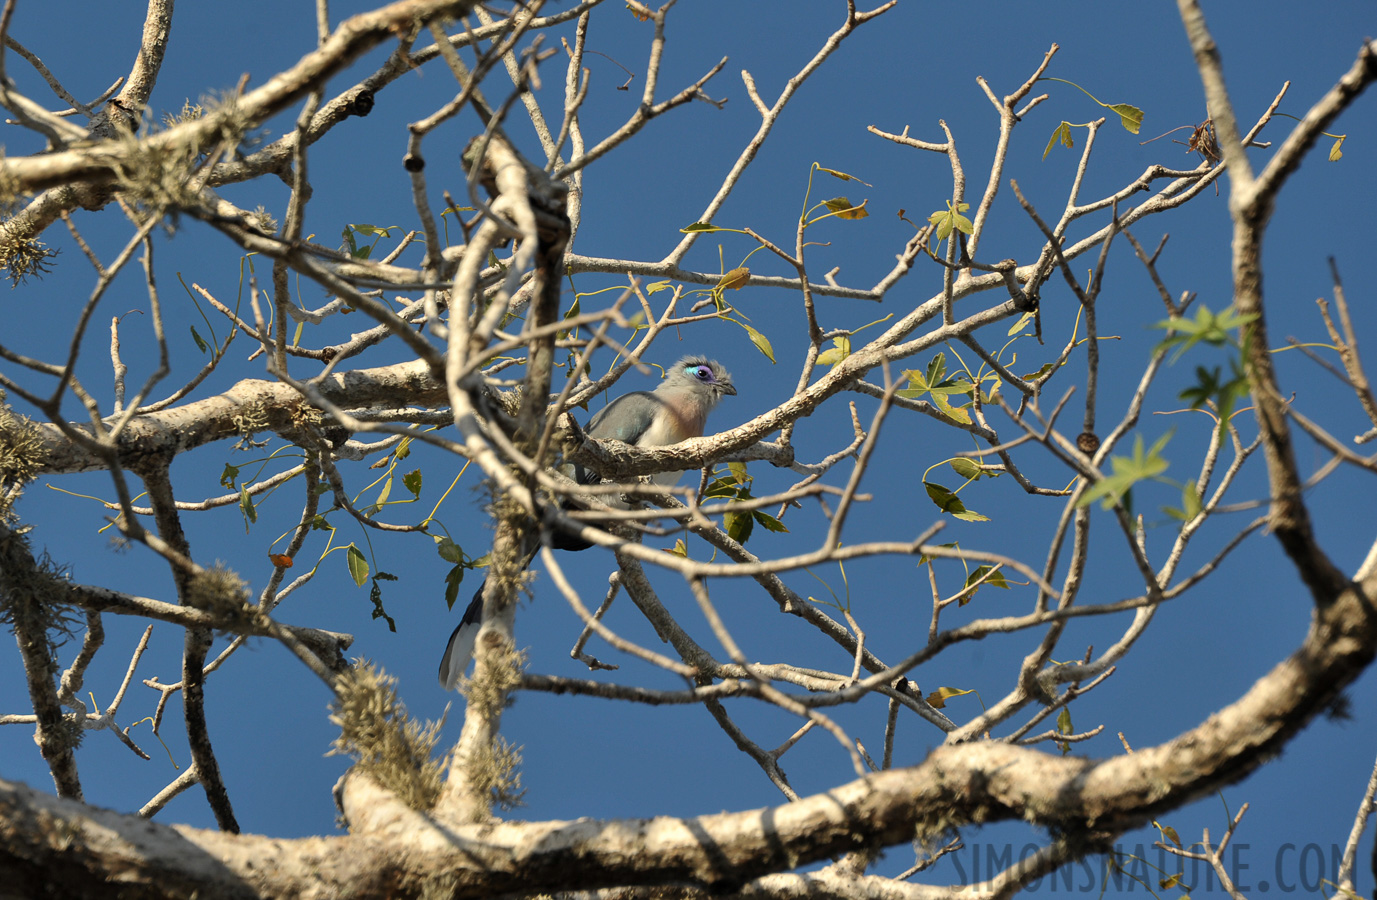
(914, 66)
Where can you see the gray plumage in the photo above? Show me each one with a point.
(676, 410)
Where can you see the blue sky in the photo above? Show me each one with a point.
(914, 66)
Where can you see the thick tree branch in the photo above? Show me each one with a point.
(1086, 800)
(1250, 205)
(354, 37)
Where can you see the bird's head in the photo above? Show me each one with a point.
(704, 375)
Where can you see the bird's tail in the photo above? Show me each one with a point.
(459, 650)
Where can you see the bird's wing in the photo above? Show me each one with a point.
(627, 418)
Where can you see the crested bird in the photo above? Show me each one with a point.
(676, 410)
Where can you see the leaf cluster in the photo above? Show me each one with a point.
(934, 384)
(1212, 389)
(736, 485)
(1127, 472)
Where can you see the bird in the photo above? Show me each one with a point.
(676, 410)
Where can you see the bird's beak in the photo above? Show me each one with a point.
(727, 388)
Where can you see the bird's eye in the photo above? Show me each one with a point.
(703, 373)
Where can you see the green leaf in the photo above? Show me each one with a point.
(855, 212)
(1190, 504)
(320, 523)
(720, 488)
(227, 477)
(412, 482)
(383, 494)
(200, 342)
(1130, 116)
(657, 286)
(1207, 327)
(770, 522)
(951, 220)
(761, 342)
(937, 368)
(739, 526)
(950, 503)
(734, 280)
(1128, 471)
(939, 398)
(995, 383)
(1022, 323)
(842, 175)
(373, 231)
(924, 559)
(358, 565)
(448, 550)
(919, 383)
(679, 549)
(1193, 504)
(573, 311)
(968, 468)
(403, 450)
(990, 575)
(938, 388)
(1336, 152)
(247, 508)
(1062, 134)
(739, 472)
(844, 210)
(841, 349)
(452, 582)
(703, 227)
(1210, 387)
(1159, 445)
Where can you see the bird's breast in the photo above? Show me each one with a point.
(670, 427)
